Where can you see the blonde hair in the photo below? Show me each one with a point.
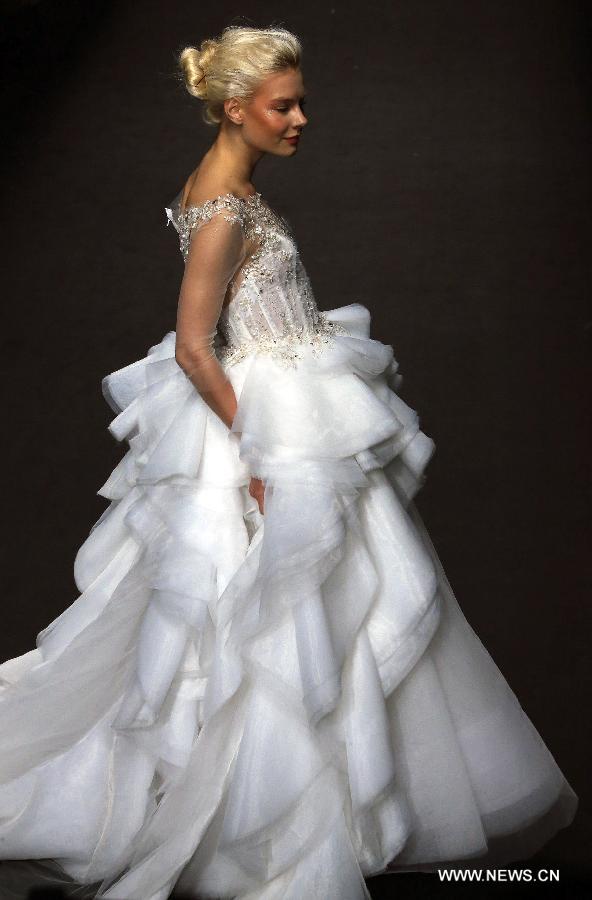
(235, 63)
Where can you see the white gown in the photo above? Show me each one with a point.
(265, 706)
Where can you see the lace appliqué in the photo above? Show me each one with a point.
(233, 209)
(275, 303)
(287, 348)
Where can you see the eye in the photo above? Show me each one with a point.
(285, 109)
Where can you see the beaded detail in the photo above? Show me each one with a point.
(232, 208)
(273, 311)
(287, 348)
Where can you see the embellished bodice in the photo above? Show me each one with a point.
(272, 308)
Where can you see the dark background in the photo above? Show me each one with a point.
(443, 180)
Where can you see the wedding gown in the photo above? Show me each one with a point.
(264, 706)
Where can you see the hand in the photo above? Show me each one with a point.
(256, 490)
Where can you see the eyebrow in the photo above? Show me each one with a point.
(286, 99)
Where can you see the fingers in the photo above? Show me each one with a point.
(257, 491)
(259, 497)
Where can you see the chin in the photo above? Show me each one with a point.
(284, 149)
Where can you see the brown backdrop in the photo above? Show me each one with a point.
(443, 181)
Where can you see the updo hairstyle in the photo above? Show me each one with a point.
(235, 63)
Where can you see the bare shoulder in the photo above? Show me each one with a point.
(200, 189)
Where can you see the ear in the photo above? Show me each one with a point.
(233, 110)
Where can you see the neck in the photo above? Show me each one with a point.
(230, 156)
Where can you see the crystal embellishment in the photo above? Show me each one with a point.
(287, 348)
(273, 311)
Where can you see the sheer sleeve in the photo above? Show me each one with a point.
(216, 252)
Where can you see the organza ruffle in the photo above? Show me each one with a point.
(264, 706)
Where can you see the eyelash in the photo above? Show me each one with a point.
(286, 108)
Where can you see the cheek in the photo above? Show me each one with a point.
(270, 121)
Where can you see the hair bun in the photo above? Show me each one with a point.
(234, 65)
(195, 63)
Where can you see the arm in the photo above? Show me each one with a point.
(216, 251)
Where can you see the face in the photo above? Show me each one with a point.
(275, 114)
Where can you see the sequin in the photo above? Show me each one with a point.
(288, 347)
(232, 208)
(273, 311)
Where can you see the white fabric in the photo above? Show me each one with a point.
(271, 706)
(217, 249)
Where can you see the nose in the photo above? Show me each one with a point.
(300, 119)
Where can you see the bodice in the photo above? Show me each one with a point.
(272, 307)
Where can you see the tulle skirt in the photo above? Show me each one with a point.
(272, 706)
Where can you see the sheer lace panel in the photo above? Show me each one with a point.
(215, 253)
(269, 306)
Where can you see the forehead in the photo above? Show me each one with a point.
(287, 83)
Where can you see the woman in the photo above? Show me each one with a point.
(267, 687)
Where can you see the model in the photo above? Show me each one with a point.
(266, 688)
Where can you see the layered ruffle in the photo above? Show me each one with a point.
(303, 643)
(238, 692)
(338, 406)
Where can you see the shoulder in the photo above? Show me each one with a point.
(222, 216)
(206, 191)
(220, 221)
(222, 205)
